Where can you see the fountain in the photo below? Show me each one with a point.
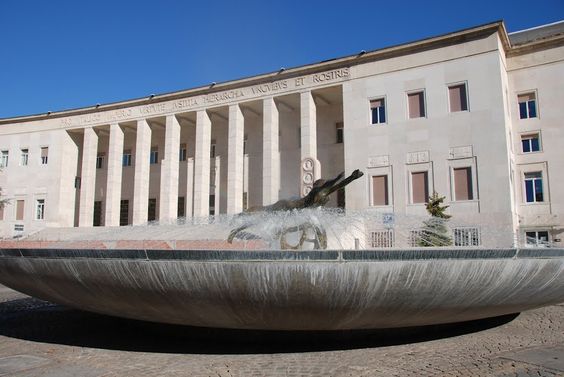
(292, 266)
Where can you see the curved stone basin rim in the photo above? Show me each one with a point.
(281, 290)
(311, 255)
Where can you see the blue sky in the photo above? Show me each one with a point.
(58, 54)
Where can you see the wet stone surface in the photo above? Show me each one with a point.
(42, 339)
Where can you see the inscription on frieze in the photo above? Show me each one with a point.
(331, 75)
(120, 114)
(185, 103)
(193, 103)
(270, 87)
(317, 78)
(155, 108)
(223, 96)
(417, 157)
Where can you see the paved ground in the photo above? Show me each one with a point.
(42, 339)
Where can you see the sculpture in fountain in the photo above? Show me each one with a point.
(318, 196)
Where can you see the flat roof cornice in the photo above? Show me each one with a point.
(346, 61)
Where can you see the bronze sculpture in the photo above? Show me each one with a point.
(318, 196)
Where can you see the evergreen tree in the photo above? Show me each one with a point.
(435, 232)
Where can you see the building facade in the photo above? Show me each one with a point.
(475, 115)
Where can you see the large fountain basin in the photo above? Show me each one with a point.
(280, 290)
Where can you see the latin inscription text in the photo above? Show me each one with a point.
(163, 108)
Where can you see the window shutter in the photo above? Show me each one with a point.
(463, 184)
(380, 190)
(376, 103)
(457, 98)
(20, 204)
(525, 97)
(420, 184)
(416, 105)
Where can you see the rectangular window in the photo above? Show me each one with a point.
(182, 153)
(97, 221)
(152, 213)
(20, 205)
(77, 183)
(212, 205)
(457, 98)
(4, 159)
(340, 136)
(40, 209)
(44, 155)
(181, 207)
(533, 187)
(124, 212)
(154, 156)
(527, 105)
(378, 111)
(24, 157)
(100, 161)
(530, 143)
(1, 212)
(416, 104)
(466, 237)
(380, 190)
(212, 149)
(537, 238)
(245, 140)
(463, 183)
(420, 187)
(126, 160)
(382, 238)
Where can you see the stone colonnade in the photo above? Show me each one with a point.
(198, 168)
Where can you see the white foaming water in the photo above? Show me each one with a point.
(314, 228)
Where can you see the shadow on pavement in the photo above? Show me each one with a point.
(39, 321)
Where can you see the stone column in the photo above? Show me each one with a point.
(310, 167)
(202, 164)
(88, 178)
(142, 169)
(270, 153)
(168, 208)
(189, 187)
(235, 160)
(113, 182)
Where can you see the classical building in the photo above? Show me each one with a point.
(476, 115)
